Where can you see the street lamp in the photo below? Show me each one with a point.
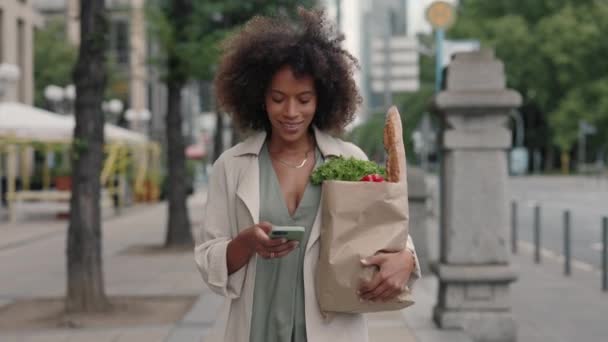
(54, 95)
(137, 118)
(9, 73)
(69, 94)
(61, 99)
(113, 107)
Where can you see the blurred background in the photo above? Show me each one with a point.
(163, 132)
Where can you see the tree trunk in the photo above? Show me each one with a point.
(565, 162)
(218, 139)
(549, 158)
(178, 229)
(85, 284)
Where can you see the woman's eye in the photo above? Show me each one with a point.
(277, 99)
(305, 101)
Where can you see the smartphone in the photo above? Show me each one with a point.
(291, 233)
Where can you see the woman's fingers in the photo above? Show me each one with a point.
(287, 251)
(373, 294)
(388, 294)
(381, 287)
(277, 251)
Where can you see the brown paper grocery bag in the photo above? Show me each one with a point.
(358, 219)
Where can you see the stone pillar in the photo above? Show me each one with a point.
(17, 34)
(10, 47)
(417, 197)
(138, 88)
(473, 270)
(28, 66)
(72, 13)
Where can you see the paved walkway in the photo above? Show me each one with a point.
(39, 247)
(546, 305)
(549, 306)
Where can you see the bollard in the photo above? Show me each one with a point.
(567, 242)
(605, 253)
(537, 233)
(514, 227)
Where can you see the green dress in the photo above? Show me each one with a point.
(278, 303)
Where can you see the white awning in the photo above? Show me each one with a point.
(25, 122)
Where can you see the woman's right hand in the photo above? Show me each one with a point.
(257, 240)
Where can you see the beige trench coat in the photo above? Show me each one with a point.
(233, 205)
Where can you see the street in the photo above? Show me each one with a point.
(586, 198)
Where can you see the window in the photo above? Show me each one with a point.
(119, 41)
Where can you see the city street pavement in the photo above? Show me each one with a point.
(547, 306)
(32, 251)
(585, 197)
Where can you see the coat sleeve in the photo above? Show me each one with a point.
(416, 274)
(210, 252)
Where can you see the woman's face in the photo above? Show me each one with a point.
(291, 104)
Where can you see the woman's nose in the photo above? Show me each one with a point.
(292, 109)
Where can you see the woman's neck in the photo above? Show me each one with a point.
(279, 146)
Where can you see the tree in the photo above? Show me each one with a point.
(412, 106)
(85, 284)
(553, 51)
(189, 33)
(54, 59)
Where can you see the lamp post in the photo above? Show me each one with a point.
(69, 96)
(61, 99)
(113, 107)
(138, 119)
(9, 73)
(441, 15)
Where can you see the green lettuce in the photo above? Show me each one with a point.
(345, 169)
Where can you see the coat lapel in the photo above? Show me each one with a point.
(248, 187)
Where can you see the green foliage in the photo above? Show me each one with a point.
(588, 102)
(369, 137)
(194, 40)
(412, 106)
(554, 54)
(345, 169)
(54, 59)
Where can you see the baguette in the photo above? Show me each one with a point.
(393, 144)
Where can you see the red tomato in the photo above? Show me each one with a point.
(377, 178)
(372, 178)
(367, 178)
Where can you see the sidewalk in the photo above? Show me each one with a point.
(34, 253)
(547, 306)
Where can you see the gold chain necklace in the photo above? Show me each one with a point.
(301, 165)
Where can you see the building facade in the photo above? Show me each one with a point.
(18, 21)
(130, 49)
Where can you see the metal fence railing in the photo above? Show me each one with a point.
(566, 239)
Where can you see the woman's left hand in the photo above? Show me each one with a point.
(395, 270)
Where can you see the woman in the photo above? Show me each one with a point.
(292, 83)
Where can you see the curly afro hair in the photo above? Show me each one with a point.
(310, 46)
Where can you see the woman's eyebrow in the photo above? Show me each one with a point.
(306, 92)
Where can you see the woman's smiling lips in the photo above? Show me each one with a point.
(291, 127)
